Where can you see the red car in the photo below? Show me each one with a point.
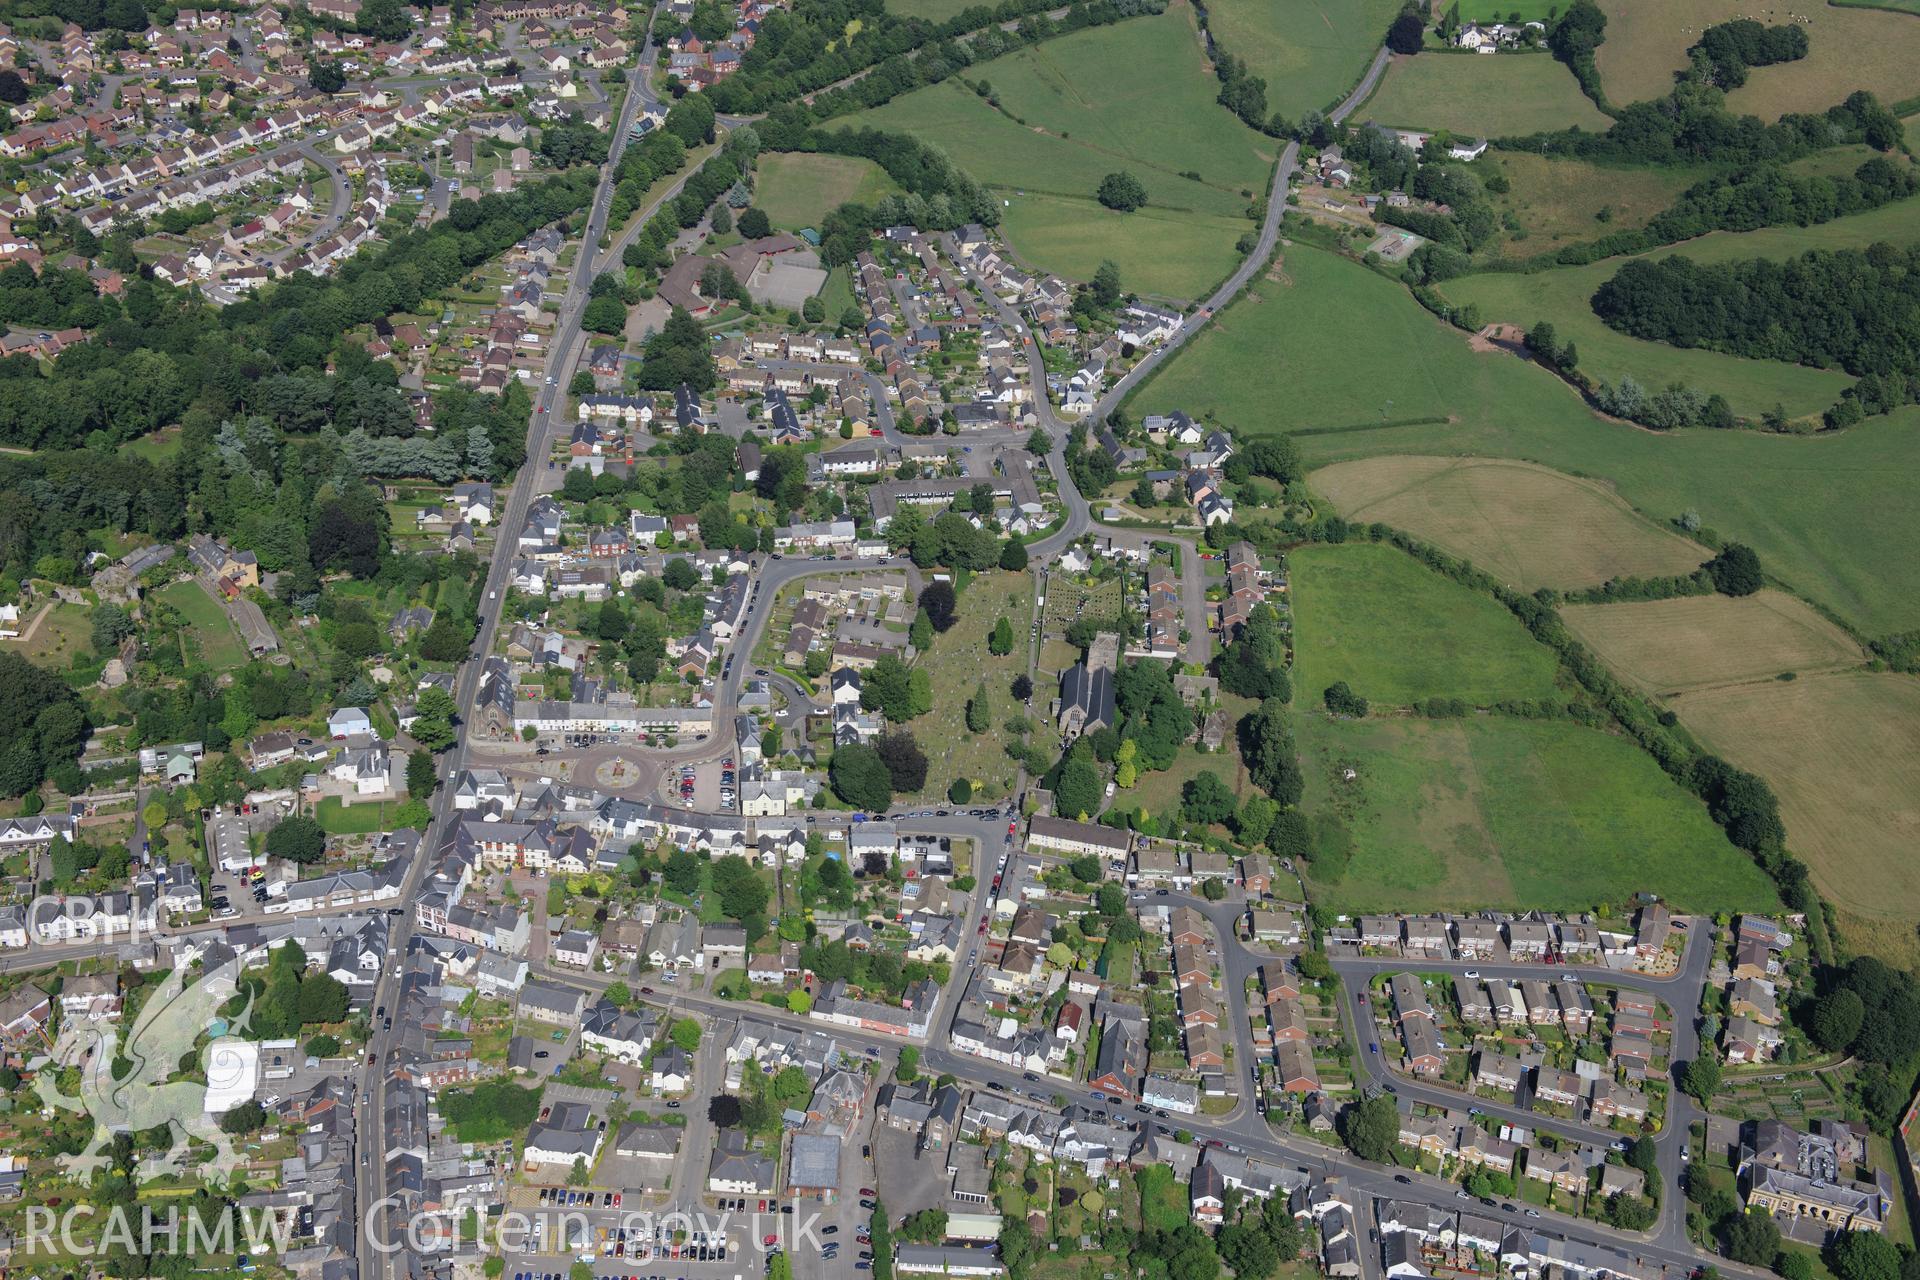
(868, 1191)
(770, 1240)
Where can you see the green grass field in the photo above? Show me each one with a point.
(1310, 54)
(1513, 813)
(1751, 386)
(931, 10)
(1066, 121)
(211, 636)
(1397, 632)
(1159, 251)
(1831, 516)
(1674, 646)
(1482, 96)
(1847, 49)
(340, 819)
(797, 189)
(1559, 201)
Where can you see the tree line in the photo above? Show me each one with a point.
(1726, 51)
(800, 51)
(1858, 309)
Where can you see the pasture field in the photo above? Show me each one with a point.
(1558, 200)
(1526, 525)
(1482, 96)
(1842, 751)
(1833, 515)
(931, 10)
(1848, 49)
(1668, 647)
(1458, 814)
(211, 637)
(796, 189)
(1310, 52)
(1082, 121)
(1396, 631)
(1562, 295)
(1160, 252)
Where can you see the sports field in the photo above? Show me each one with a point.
(1396, 632)
(1832, 516)
(1160, 252)
(1480, 96)
(1668, 647)
(1526, 525)
(1848, 49)
(1066, 120)
(1843, 754)
(796, 189)
(1517, 813)
(1560, 201)
(1311, 53)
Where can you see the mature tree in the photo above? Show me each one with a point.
(1248, 1250)
(1205, 799)
(1022, 687)
(682, 872)
(111, 625)
(1267, 749)
(1408, 32)
(1736, 571)
(860, 777)
(1079, 789)
(1371, 1127)
(1836, 1020)
(1344, 702)
(1863, 1255)
(423, 777)
(1000, 642)
(754, 224)
(248, 1117)
(1701, 1078)
(433, 727)
(680, 575)
(979, 713)
(938, 601)
(297, 838)
(905, 762)
(1121, 191)
(1752, 1238)
(723, 1111)
(1013, 555)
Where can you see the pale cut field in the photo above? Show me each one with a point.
(1670, 647)
(1527, 525)
(1848, 49)
(1842, 752)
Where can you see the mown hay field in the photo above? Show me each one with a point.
(1668, 647)
(1842, 752)
(1527, 525)
(1847, 49)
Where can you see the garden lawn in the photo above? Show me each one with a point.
(797, 189)
(339, 819)
(212, 635)
(1481, 96)
(1310, 54)
(1832, 516)
(1525, 814)
(1847, 49)
(1396, 632)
